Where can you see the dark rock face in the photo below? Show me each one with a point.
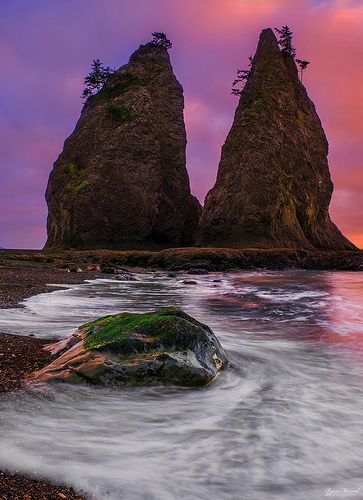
(273, 187)
(121, 178)
(165, 346)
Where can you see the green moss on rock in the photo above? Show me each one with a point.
(155, 73)
(122, 113)
(258, 104)
(73, 169)
(154, 328)
(76, 186)
(126, 81)
(300, 117)
(77, 175)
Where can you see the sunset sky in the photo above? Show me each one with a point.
(46, 47)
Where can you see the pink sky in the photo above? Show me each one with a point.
(46, 49)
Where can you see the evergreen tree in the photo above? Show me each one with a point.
(285, 40)
(302, 65)
(160, 38)
(96, 78)
(241, 78)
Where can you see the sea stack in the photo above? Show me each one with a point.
(121, 179)
(273, 186)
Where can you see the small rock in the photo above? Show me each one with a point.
(126, 277)
(94, 267)
(197, 271)
(73, 268)
(108, 270)
(189, 282)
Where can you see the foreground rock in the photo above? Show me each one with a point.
(121, 179)
(166, 346)
(273, 186)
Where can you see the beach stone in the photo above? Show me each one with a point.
(107, 269)
(197, 271)
(73, 268)
(126, 277)
(166, 346)
(94, 267)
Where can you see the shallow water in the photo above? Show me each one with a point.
(284, 422)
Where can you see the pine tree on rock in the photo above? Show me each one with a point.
(273, 186)
(302, 65)
(160, 38)
(121, 179)
(96, 78)
(285, 40)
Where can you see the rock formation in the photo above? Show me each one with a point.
(273, 187)
(165, 346)
(121, 178)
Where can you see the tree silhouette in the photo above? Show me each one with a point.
(285, 40)
(96, 78)
(241, 78)
(160, 38)
(302, 65)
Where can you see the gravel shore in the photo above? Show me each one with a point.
(21, 355)
(20, 280)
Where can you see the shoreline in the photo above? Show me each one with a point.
(24, 274)
(187, 258)
(20, 280)
(14, 486)
(21, 355)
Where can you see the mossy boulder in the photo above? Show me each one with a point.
(166, 346)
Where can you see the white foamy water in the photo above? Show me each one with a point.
(284, 422)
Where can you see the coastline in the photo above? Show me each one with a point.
(21, 279)
(20, 356)
(27, 273)
(176, 259)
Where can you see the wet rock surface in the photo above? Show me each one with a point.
(167, 346)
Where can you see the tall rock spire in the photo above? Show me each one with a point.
(273, 186)
(121, 179)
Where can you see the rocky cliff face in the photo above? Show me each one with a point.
(121, 178)
(273, 186)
